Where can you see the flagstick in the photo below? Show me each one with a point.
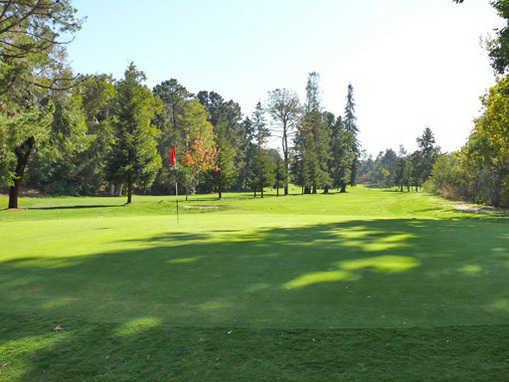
(176, 194)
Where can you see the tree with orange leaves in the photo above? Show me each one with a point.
(199, 151)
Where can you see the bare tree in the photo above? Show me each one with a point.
(284, 107)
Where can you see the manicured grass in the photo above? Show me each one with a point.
(369, 285)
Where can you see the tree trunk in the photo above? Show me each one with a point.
(401, 187)
(219, 194)
(326, 190)
(14, 194)
(285, 155)
(254, 193)
(496, 194)
(261, 192)
(314, 189)
(277, 191)
(22, 154)
(343, 188)
(129, 193)
(307, 190)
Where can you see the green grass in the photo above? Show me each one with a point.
(372, 285)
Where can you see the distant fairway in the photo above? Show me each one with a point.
(369, 285)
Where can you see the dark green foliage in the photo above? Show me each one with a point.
(225, 117)
(223, 177)
(424, 158)
(81, 140)
(56, 167)
(385, 168)
(248, 150)
(264, 171)
(350, 125)
(403, 171)
(262, 166)
(174, 97)
(312, 142)
(134, 158)
(342, 156)
(32, 74)
(279, 169)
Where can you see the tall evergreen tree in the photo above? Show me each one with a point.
(248, 149)
(352, 130)
(279, 172)
(99, 95)
(134, 159)
(262, 168)
(424, 158)
(403, 170)
(170, 122)
(341, 156)
(312, 141)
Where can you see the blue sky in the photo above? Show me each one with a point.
(413, 63)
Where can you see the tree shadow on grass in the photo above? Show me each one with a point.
(165, 310)
(80, 206)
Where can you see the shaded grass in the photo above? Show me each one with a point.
(293, 289)
(92, 352)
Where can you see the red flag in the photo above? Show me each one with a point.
(173, 156)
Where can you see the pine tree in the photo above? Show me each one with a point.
(134, 159)
(403, 171)
(350, 121)
(312, 142)
(279, 172)
(248, 150)
(262, 172)
(170, 122)
(224, 172)
(424, 158)
(341, 156)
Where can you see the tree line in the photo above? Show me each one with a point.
(62, 133)
(406, 171)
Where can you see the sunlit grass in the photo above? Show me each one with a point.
(382, 263)
(137, 326)
(255, 290)
(319, 277)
